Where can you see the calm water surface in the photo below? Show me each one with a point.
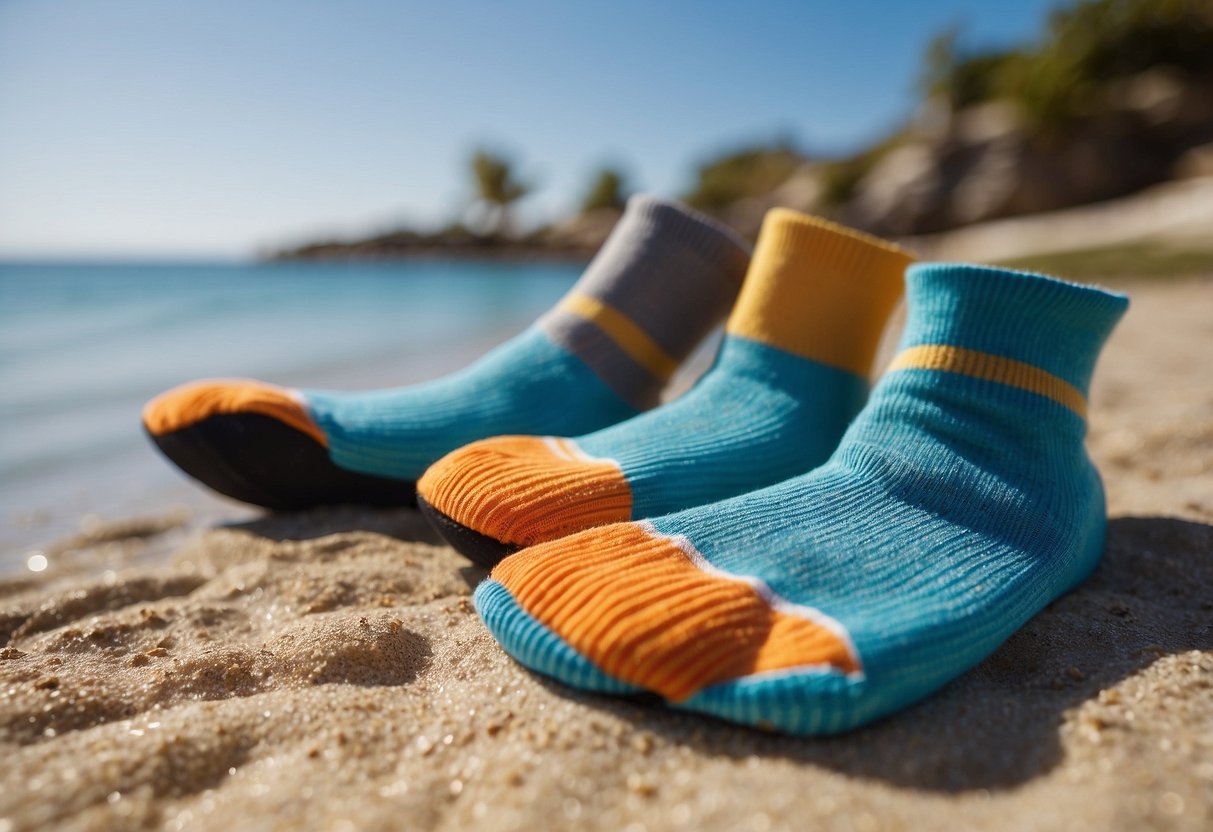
(83, 347)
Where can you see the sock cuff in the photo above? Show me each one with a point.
(704, 237)
(819, 290)
(1024, 317)
(832, 247)
(663, 279)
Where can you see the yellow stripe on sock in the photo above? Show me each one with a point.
(627, 335)
(990, 367)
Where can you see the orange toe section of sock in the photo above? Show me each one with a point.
(524, 490)
(190, 403)
(649, 610)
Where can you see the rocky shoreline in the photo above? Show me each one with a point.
(948, 171)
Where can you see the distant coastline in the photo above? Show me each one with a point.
(572, 241)
(480, 249)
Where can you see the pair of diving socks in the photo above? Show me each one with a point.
(767, 548)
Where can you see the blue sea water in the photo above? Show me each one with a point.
(84, 346)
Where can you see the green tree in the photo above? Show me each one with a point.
(1086, 44)
(753, 171)
(963, 77)
(1090, 43)
(497, 188)
(606, 191)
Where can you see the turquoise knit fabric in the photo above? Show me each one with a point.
(759, 416)
(669, 272)
(527, 385)
(954, 509)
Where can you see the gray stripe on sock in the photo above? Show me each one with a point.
(672, 271)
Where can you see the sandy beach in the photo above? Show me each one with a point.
(327, 671)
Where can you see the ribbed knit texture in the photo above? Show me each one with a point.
(664, 277)
(662, 280)
(959, 503)
(791, 374)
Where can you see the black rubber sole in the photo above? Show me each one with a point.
(476, 547)
(257, 459)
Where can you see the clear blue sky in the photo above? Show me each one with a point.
(213, 127)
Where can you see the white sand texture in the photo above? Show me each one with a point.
(327, 671)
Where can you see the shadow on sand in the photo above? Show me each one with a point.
(998, 726)
(405, 524)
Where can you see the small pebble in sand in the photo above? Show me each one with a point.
(640, 785)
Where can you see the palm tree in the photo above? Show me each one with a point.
(606, 191)
(496, 187)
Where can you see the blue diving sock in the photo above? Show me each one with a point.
(960, 502)
(662, 280)
(792, 373)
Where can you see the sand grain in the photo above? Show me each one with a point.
(312, 671)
